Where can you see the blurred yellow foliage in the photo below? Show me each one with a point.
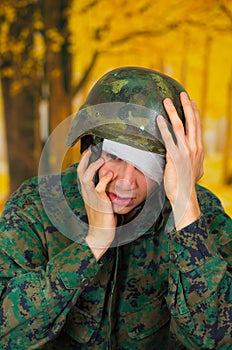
(9, 11)
(4, 184)
(39, 48)
(38, 21)
(8, 72)
(56, 39)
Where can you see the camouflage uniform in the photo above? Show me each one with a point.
(166, 289)
(161, 291)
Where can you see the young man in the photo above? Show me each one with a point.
(127, 251)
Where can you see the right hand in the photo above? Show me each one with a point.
(101, 218)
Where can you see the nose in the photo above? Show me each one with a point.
(128, 169)
(126, 176)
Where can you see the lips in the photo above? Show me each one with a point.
(121, 201)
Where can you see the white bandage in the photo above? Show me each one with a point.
(149, 163)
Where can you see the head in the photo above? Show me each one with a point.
(122, 107)
(129, 186)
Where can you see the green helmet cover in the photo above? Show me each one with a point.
(123, 106)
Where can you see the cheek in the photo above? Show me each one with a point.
(104, 170)
(147, 185)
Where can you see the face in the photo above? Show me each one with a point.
(129, 187)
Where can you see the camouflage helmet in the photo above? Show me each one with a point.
(123, 106)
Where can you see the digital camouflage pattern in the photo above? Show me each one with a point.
(162, 291)
(124, 104)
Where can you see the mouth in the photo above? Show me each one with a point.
(121, 201)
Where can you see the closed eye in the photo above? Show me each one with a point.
(112, 156)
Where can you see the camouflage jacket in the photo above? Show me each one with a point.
(161, 291)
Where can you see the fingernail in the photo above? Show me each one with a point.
(160, 118)
(168, 101)
(185, 95)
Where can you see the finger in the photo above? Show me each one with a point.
(175, 120)
(190, 119)
(166, 135)
(85, 172)
(199, 140)
(84, 161)
(92, 169)
(102, 184)
(199, 136)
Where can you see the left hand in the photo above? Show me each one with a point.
(184, 160)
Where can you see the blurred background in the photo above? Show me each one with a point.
(51, 53)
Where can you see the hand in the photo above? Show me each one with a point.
(184, 160)
(102, 220)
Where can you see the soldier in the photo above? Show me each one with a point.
(124, 250)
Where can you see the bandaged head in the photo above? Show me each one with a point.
(149, 163)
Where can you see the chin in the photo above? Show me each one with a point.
(122, 210)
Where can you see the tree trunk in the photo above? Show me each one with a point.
(20, 121)
(21, 109)
(57, 74)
